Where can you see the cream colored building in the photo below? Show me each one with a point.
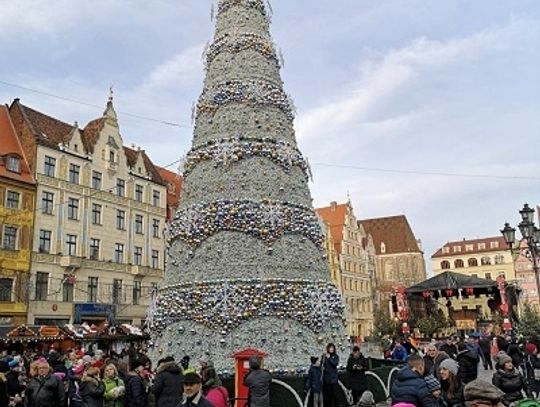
(98, 250)
(484, 258)
(355, 266)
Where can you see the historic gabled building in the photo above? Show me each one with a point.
(17, 200)
(174, 182)
(485, 258)
(355, 264)
(98, 237)
(399, 257)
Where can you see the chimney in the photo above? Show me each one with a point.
(333, 206)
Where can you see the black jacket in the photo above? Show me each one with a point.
(91, 392)
(511, 383)
(168, 386)
(258, 382)
(516, 354)
(135, 391)
(456, 399)
(197, 401)
(468, 366)
(410, 387)
(45, 391)
(357, 368)
(13, 385)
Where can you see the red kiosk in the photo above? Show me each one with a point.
(241, 369)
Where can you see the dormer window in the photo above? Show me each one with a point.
(383, 248)
(13, 164)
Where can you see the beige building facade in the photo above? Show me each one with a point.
(98, 252)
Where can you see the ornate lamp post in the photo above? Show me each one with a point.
(531, 235)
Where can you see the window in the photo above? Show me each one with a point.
(119, 253)
(156, 198)
(49, 166)
(446, 249)
(10, 238)
(499, 259)
(73, 208)
(139, 193)
(6, 288)
(445, 264)
(117, 291)
(47, 202)
(472, 262)
(120, 220)
(13, 199)
(481, 246)
(120, 187)
(155, 259)
(493, 245)
(457, 249)
(488, 276)
(71, 245)
(155, 227)
(74, 171)
(112, 156)
(96, 214)
(138, 224)
(96, 179)
(67, 288)
(469, 247)
(137, 256)
(94, 249)
(474, 275)
(92, 289)
(44, 241)
(458, 263)
(136, 292)
(42, 286)
(485, 261)
(13, 164)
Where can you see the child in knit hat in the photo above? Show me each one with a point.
(367, 399)
(434, 386)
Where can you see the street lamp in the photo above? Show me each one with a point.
(531, 235)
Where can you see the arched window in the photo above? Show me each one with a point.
(499, 259)
(472, 262)
(458, 263)
(486, 261)
(445, 264)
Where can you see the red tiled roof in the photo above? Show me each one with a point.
(10, 146)
(394, 231)
(463, 243)
(132, 157)
(174, 183)
(334, 215)
(90, 134)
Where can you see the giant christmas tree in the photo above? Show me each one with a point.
(245, 260)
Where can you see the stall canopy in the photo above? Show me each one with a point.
(439, 284)
(30, 333)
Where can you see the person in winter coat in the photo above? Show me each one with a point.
(92, 388)
(329, 363)
(114, 387)
(208, 374)
(532, 364)
(485, 347)
(14, 386)
(509, 380)
(515, 352)
(451, 385)
(434, 386)
(449, 347)
(314, 382)
(193, 392)
(258, 383)
(399, 353)
(168, 386)
(433, 359)
(136, 395)
(218, 396)
(44, 389)
(4, 395)
(357, 365)
(468, 364)
(409, 386)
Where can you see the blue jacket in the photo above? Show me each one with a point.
(314, 380)
(410, 387)
(399, 353)
(330, 374)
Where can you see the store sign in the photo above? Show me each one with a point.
(465, 324)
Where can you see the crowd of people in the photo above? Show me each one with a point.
(439, 374)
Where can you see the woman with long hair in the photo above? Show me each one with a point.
(114, 387)
(330, 362)
(451, 385)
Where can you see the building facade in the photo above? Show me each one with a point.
(399, 256)
(484, 258)
(174, 182)
(98, 251)
(17, 200)
(355, 264)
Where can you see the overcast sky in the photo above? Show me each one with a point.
(413, 86)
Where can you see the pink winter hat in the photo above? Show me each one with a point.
(78, 369)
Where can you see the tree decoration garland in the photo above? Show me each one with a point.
(227, 150)
(224, 5)
(242, 42)
(225, 304)
(266, 220)
(256, 92)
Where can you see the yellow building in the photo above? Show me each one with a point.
(484, 258)
(355, 264)
(17, 197)
(332, 256)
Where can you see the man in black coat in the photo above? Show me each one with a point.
(258, 382)
(192, 390)
(410, 386)
(168, 386)
(357, 365)
(45, 389)
(468, 364)
(135, 390)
